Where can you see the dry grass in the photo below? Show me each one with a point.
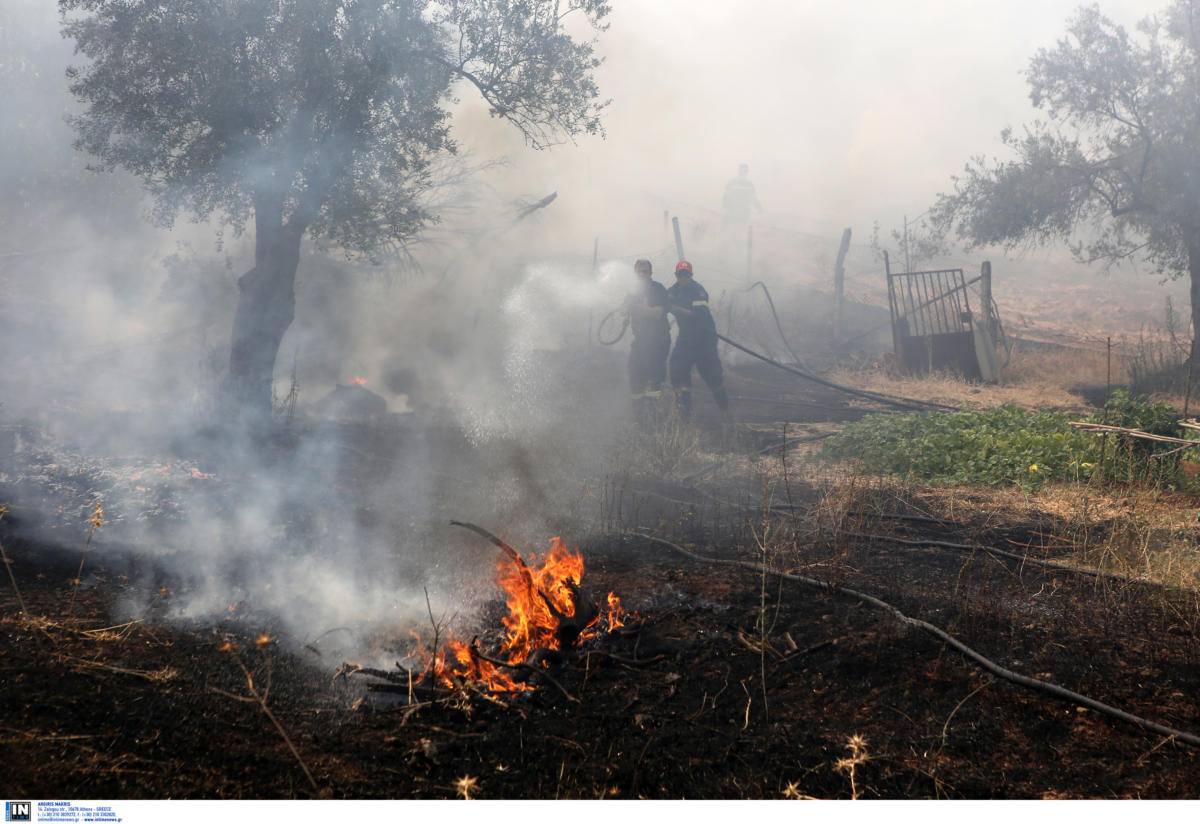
(1141, 533)
(1043, 379)
(1138, 532)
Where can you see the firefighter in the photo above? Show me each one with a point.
(695, 343)
(647, 309)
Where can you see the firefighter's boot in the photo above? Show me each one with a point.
(683, 404)
(722, 399)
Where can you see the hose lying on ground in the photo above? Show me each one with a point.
(985, 663)
(907, 404)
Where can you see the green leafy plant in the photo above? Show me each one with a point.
(1012, 445)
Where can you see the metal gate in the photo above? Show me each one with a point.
(932, 326)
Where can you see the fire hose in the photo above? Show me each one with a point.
(620, 333)
(778, 325)
(896, 401)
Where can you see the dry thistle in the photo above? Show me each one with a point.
(792, 792)
(96, 521)
(465, 786)
(858, 755)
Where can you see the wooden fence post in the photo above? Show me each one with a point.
(839, 284)
(985, 294)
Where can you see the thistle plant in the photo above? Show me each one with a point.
(95, 522)
(858, 755)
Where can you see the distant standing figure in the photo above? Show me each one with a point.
(740, 199)
(695, 343)
(647, 309)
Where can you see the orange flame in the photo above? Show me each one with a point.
(357, 381)
(531, 590)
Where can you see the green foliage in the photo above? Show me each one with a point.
(1006, 444)
(321, 115)
(1112, 169)
(1133, 459)
(318, 118)
(1011, 445)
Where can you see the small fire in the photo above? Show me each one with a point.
(539, 596)
(357, 381)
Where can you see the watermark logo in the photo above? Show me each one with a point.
(18, 811)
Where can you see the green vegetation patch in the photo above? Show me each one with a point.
(1012, 445)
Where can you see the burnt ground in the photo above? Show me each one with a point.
(731, 683)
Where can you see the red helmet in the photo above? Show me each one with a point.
(683, 266)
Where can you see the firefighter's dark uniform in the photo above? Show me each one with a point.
(648, 353)
(695, 345)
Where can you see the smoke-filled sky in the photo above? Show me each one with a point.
(846, 112)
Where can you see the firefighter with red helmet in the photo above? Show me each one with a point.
(695, 343)
(647, 309)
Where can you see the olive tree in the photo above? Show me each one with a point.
(1114, 167)
(315, 118)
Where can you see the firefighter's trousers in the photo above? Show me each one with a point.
(702, 354)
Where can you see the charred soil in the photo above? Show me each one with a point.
(731, 682)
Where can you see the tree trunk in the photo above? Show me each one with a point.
(265, 310)
(1194, 275)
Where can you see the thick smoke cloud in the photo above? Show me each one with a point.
(115, 334)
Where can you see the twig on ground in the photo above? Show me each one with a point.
(958, 706)
(1088, 426)
(157, 676)
(262, 703)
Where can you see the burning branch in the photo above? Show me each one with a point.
(548, 613)
(525, 666)
(570, 619)
(583, 612)
(526, 575)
